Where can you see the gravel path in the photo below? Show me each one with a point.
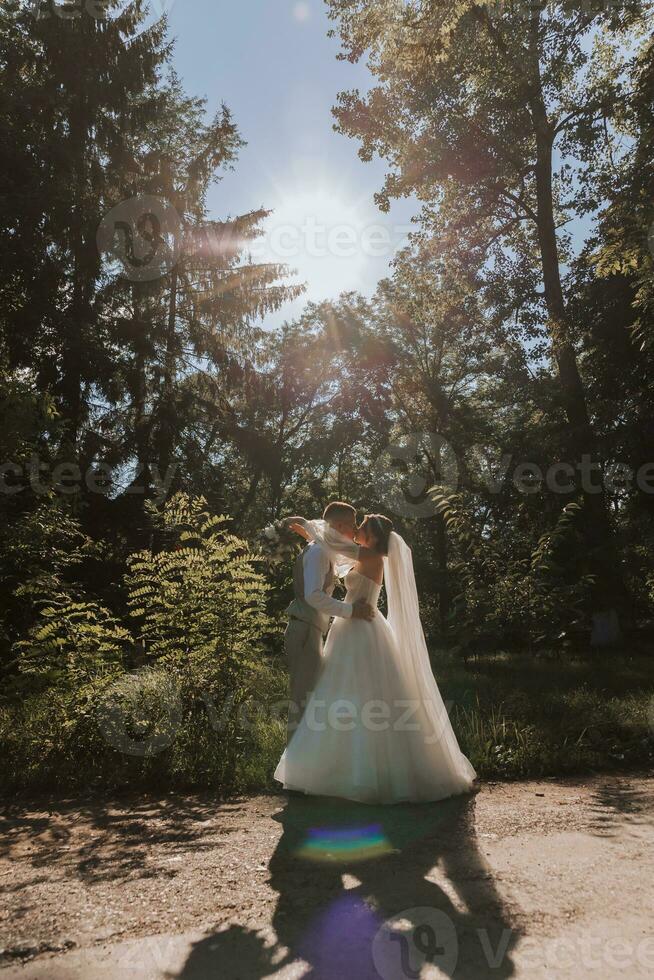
(533, 879)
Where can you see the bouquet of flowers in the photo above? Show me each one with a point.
(277, 543)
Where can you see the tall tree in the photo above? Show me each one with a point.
(73, 91)
(99, 132)
(485, 113)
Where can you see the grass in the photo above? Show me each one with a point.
(519, 716)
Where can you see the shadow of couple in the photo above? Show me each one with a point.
(368, 892)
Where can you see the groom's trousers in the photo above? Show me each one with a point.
(303, 647)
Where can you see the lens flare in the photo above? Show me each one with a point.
(344, 843)
(339, 941)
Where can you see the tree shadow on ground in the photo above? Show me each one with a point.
(618, 807)
(372, 891)
(121, 832)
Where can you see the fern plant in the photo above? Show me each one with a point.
(198, 605)
(73, 644)
(199, 600)
(197, 611)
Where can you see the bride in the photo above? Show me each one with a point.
(375, 728)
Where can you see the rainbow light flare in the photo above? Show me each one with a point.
(344, 843)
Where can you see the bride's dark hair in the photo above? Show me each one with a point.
(381, 528)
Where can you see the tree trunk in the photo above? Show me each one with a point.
(140, 391)
(602, 553)
(443, 585)
(71, 361)
(167, 426)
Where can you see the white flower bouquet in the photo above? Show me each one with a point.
(277, 543)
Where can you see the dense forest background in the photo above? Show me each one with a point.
(152, 424)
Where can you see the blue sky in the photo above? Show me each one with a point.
(273, 65)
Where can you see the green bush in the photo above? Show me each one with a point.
(197, 606)
(72, 643)
(517, 716)
(508, 590)
(79, 712)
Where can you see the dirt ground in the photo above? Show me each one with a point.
(533, 879)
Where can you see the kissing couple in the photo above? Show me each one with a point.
(374, 726)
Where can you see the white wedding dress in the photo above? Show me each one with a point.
(375, 729)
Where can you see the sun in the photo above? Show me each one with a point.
(323, 233)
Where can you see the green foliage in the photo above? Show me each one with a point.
(73, 643)
(520, 716)
(198, 605)
(26, 413)
(41, 551)
(137, 731)
(506, 594)
(197, 611)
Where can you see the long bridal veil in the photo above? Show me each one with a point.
(404, 620)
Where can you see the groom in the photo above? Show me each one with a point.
(310, 611)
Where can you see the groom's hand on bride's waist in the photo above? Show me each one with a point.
(362, 610)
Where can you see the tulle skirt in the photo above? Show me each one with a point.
(367, 734)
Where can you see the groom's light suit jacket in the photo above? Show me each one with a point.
(313, 584)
